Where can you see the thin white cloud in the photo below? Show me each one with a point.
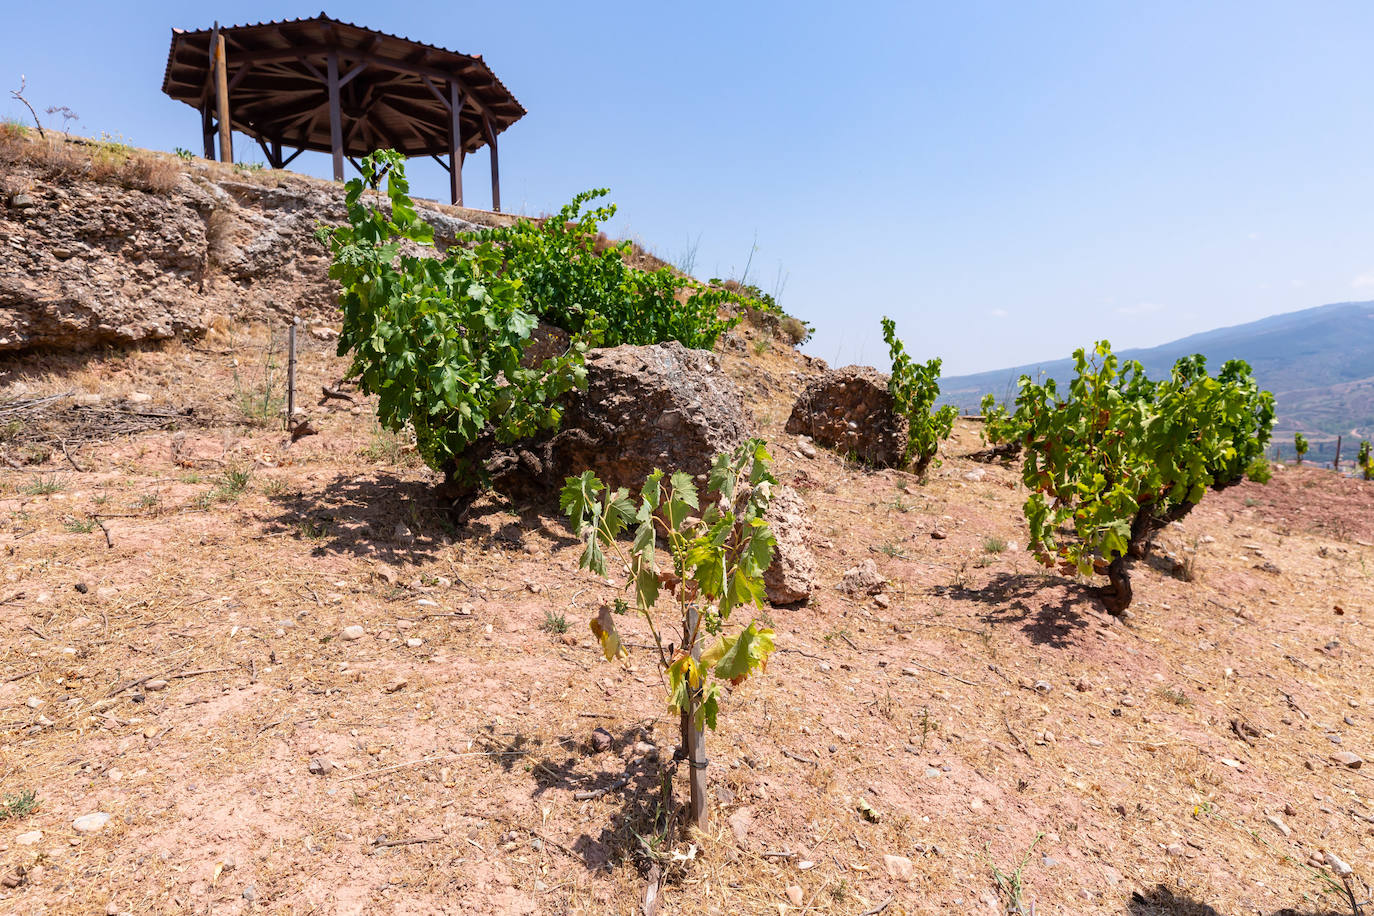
(999, 313)
(1140, 308)
(1363, 281)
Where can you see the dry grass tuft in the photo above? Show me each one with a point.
(156, 174)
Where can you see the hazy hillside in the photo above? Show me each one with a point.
(1319, 363)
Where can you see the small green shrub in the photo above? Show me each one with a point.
(571, 276)
(184, 154)
(1258, 470)
(1364, 460)
(439, 340)
(1300, 446)
(554, 623)
(915, 387)
(1119, 456)
(1000, 427)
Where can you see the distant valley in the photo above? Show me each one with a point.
(1319, 363)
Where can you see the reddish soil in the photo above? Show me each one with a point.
(990, 714)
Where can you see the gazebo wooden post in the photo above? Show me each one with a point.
(455, 143)
(226, 138)
(495, 166)
(207, 128)
(335, 116)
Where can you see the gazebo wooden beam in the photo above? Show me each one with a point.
(335, 116)
(455, 143)
(303, 54)
(495, 165)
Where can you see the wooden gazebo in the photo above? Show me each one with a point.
(330, 86)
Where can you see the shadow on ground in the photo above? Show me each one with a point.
(1052, 623)
(636, 785)
(1164, 902)
(388, 518)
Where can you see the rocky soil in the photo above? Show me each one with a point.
(239, 674)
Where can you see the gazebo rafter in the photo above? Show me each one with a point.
(329, 86)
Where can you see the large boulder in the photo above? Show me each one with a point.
(645, 407)
(851, 411)
(791, 577)
(661, 406)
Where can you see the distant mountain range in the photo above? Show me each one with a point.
(1319, 363)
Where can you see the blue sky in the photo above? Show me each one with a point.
(1007, 180)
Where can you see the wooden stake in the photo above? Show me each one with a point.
(226, 140)
(291, 374)
(1337, 463)
(693, 740)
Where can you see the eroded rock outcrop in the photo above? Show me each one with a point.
(850, 410)
(89, 262)
(793, 573)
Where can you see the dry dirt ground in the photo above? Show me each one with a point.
(182, 676)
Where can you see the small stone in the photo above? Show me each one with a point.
(1348, 759)
(139, 397)
(155, 684)
(33, 702)
(319, 332)
(1278, 825)
(1043, 687)
(1174, 849)
(414, 643)
(250, 893)
(740, 822)
(805, 446)
(397, 685)
(938, 535)
(794, 894)
(32, 838)
(1289, 810)
(882, 601)
(353, 632)
(645, 749)
(320, 767)
(114, 775)
(150, 731)
(91, 823)
(601, 740)
(898, 867)
(911, 672)
(824, 666)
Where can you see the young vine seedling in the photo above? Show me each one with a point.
(715, 552)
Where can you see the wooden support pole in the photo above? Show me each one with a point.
(226, 139)
(455, 143)
(207, 129)
(693, 739)
(335, 117)
(291, 375)
(1337, 463)
(495, 166)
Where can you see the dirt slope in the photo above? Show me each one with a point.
(186, 676)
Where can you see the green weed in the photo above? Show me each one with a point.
(18, 804)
